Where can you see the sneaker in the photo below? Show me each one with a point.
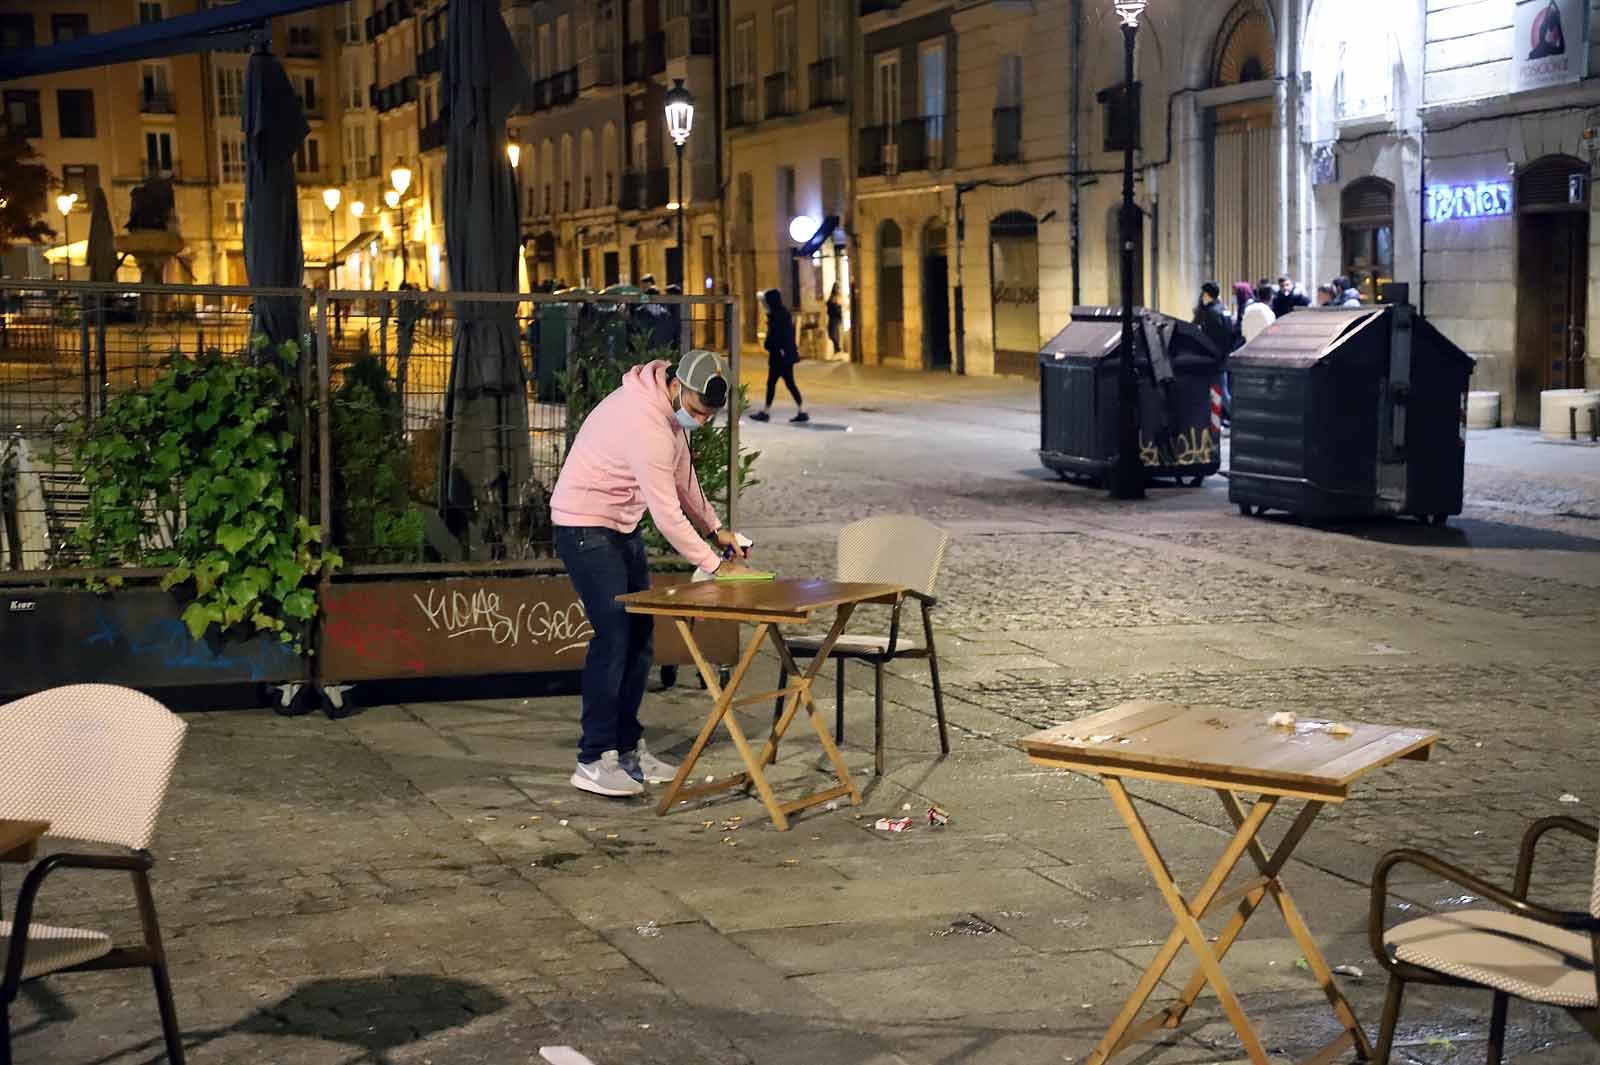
(645, 767)
(761, 416)
(801, 417)
(605, 776)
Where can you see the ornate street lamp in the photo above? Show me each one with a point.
(64, 203)
(330, 200)
(680, 123)
(1127, 473)
(400, 178)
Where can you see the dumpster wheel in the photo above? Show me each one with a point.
(1196, 481)
(1247, 510)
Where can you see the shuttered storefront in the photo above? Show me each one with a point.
(1244, 193)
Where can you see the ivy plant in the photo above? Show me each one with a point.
(195, 472)
(374, 519)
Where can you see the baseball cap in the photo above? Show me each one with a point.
(702, 371)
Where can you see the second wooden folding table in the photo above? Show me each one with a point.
(768, 605)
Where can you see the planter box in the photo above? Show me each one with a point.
(134, 637)
(467, 626)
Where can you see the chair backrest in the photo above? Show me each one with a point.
(893, 549)
(1594, 891)
(92, 759)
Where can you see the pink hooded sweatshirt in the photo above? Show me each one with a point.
(630, 453)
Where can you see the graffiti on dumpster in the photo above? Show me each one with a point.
(1192, 447)
(480, 612)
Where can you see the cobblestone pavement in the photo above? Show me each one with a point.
(417, 883)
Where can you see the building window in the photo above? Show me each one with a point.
(1014, 288)
(891, 293)
(350, 22)
(75, 112)
(16, 32)
(233, 215)
(65, 28)
(158, 153)
(1008, 111)
(1366, 229)
(233, 160)
(22, 112)
(931, 88)
(230, 90)
(306, 90)
(81, 180)
(308, 159)
(1364, 86)
(149, 11)
(1119, 112)
(302, 40)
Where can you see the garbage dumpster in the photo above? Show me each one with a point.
(1179, 375)
(1344, 412)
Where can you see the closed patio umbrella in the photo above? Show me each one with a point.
(102, 257)
(485, 457)
(274, 126)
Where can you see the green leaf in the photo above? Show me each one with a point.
(176, 576)
(301, 604)
(232, 538)
(198, 616)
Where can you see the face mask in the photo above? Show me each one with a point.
(686, 419)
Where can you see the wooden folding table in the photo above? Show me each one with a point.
(768, 605)
(1230, 752)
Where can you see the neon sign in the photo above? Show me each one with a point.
(1485, 199)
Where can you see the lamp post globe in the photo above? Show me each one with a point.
(680, 124)
(64, 204)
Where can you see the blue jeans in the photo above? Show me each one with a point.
(604, 564)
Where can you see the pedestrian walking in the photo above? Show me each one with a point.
(782, 354)
(1345, 293)
(631, 455)
(1257, 313)
(836, 319)
(1289, 297)
(1325, 295)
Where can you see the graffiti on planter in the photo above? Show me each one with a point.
(481, 612)
(358, 624)
(167, 641)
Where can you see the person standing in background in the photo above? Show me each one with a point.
(1257, 315)
(1289, 297)
(836, 319)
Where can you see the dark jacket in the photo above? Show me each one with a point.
(780, 342)
(1217, 325)
(1283, 303)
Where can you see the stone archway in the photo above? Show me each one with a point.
(1242, 143)
(935, 296)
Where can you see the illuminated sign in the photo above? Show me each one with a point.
(1485, 199)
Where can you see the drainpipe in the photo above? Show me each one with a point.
(961, 304)
(1072, 142)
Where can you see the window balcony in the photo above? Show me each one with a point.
(644, 190)
(827, 83)
(1008, 135)
(645, 57)
(781, 95)
(156, 103)
(741, 105)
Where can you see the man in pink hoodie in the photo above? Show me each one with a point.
(632, 454)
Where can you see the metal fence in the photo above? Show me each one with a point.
(407, 467)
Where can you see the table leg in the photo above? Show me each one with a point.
(1297, 926)
(803, 693)
(723, 701)
(1252, 899)
(1188, 928)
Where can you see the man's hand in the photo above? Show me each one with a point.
(731, 566)
(726, 539)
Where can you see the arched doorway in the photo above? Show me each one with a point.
(891, 296)
(1014, 292)
(1114, 257)
(1366, 234)
(935, 298)
(1552, 279)
(1243, 171)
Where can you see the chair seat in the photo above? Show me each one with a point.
(851, 644)
(1504, 951)
(51, 949)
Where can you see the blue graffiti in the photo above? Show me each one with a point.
(168, 641)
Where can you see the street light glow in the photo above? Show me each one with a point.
(514, 153)
(65, 201)
(680, 112)
(392, 198)
(1129, 10)
(330, 199)
(802, 228)
(400, 178)
(358, 208)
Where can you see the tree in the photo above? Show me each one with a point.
(24, 185)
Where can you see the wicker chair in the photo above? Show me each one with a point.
(894, 549)
(1531, 952)
(94, 760)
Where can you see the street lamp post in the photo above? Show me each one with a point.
(357, 209)
(330, 200)
(64, 203)
(400, 178)
(1127, 474)
(680, 123)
